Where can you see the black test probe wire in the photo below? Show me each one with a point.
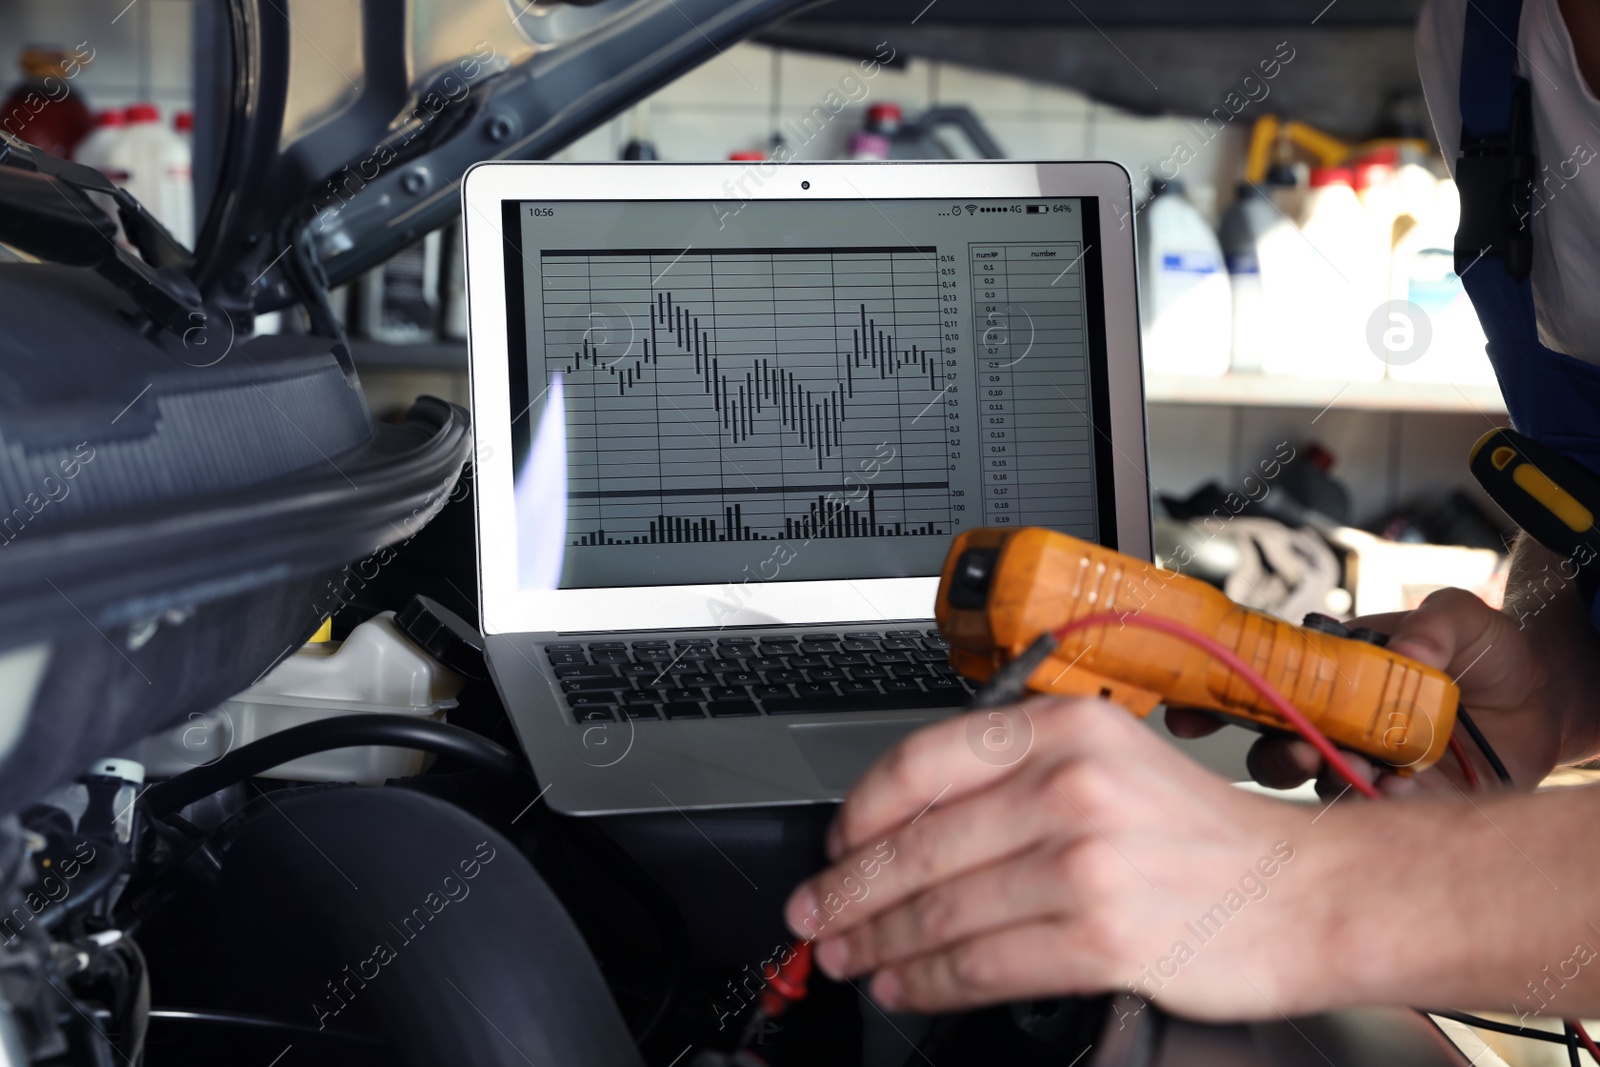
(1010, 683)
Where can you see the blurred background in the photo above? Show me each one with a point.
(1314, 373)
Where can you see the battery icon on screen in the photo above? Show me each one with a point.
(1037, 209)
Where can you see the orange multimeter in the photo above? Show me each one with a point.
(1002, 589)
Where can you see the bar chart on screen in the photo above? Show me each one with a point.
(745, 394)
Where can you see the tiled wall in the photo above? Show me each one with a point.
(738, 100)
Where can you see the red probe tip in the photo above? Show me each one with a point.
(789, 984)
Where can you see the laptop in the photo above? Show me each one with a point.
(729, 417)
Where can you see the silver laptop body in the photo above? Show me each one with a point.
(729, 417)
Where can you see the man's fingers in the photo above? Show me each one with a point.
(1011, 964)
(936, 764)
(1282, 763)
(964, 754)
(1393, 785)
(1331, 784)
(1039, 885)
(1192, 723)
(946, 842)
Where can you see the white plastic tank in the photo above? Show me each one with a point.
(375, 669)
(1423, 273)
(1338, 279)
(96, 150)
(1185, 303)
(1416, 185)
(176, 209)
(865, 144)
(1376, 184)
(1247, 225)
(139, 156)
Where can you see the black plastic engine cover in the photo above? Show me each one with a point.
(150, 419)
(170, 509)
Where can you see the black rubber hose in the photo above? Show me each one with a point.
(110, 861)
(345, 731)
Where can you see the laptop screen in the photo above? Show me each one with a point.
(788, 390)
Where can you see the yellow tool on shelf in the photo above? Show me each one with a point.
(1272, 135)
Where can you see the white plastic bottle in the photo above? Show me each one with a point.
(1250, 221)
(1340, 280)
(1185, 303)
(864, 144)
(140, 155)
(96, 149)
(1416, 185)
(1378, 189)
(176, 209)
(1424, 273)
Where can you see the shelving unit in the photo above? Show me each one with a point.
(1261, 390)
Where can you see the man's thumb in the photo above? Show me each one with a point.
(1445, 622)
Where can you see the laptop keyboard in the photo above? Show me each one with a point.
(773, 674)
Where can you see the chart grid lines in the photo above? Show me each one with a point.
(804, 363)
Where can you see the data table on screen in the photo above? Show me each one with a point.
(1033, 421)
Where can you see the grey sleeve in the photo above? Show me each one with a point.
(1439, 33)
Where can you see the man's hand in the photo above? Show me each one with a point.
(1506, 683)
(1101, 859)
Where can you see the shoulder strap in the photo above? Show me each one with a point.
(1489, 66)
(1494, 173)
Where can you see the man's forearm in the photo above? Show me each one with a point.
(1542, 597)
(1488, 906)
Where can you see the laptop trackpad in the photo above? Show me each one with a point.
(839, 753)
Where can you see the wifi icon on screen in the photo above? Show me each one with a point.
(972, 209)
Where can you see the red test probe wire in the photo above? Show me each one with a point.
(1583, 1036)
